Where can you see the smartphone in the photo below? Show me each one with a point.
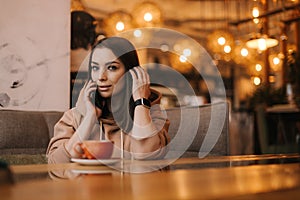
(96, 99)
(93, 94)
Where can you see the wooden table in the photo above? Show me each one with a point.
(258, 177)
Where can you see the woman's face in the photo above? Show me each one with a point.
(106, 71)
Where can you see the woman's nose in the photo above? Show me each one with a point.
(102, 75)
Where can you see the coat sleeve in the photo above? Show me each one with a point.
(63, 131)
(160, 127)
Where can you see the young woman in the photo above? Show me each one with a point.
(116, 102)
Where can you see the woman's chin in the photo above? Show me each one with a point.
(105, 94)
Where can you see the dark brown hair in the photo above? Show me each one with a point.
(123, 107)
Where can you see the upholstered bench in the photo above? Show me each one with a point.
(24, 135)
(199, 130)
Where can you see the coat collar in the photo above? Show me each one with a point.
(155, 97)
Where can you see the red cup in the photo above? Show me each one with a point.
(95, 149)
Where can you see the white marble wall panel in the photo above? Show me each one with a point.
(34, 54)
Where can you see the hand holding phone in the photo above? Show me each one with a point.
(96, 99)
(90, 91)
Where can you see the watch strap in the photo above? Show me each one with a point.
(144, 102)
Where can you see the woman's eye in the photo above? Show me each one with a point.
(95, 68)
(112, 67)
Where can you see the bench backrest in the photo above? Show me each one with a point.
(205, 128)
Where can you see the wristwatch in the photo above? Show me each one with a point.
(144, 102)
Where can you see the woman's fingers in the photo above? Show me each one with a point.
(133, 74)
(139, 74)
(91, 85)
(141, 82)
(88, 89)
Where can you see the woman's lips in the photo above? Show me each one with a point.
(104, 87)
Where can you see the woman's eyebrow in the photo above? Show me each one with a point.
(112, 62)
(106, 64)
(95, 63)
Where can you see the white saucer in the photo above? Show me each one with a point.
(78, 171)
(95, 161)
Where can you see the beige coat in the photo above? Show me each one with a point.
(70, 121)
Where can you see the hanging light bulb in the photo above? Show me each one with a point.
(180, 63)
(227, 49)
(255, 12)
(140, 37)
(147, 14)
(256, 20)
(276, 62)
(164, 47)
(258, 67)
(117, 22)
(255, 69)
(137, 33)
(261, 42)
(182, 58)
(120, 26)
(187, 52)
(256, 80)
(148, 17)
(221, 40)
(244, 52)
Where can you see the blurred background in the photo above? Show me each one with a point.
(252, 42)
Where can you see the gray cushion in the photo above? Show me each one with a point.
(189, 129)
(26, 132)
(24, 159)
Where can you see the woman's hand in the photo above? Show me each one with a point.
(140, 83)
(91, 117)
(89, 88)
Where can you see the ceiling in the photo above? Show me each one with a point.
(195, 18)
(199, 18)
